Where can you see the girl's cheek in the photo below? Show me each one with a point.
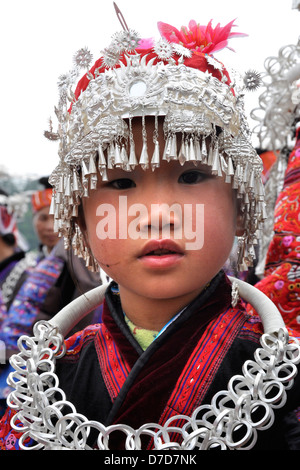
(107, 252)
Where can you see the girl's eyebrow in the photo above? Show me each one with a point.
(118, 176)
(198, 166)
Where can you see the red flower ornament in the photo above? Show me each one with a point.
(200, 39)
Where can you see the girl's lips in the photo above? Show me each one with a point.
(162, 245)
(161, 253)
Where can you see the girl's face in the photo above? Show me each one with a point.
(44, 227)
(169, 231)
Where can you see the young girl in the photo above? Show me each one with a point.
(157, 175)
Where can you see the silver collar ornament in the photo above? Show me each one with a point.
(45, 415)
(128, 81)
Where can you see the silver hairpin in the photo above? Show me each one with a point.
(121, 17)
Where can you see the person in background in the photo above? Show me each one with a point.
(43, 222)
(43, 225)
(51, 279)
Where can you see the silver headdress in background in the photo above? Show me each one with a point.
(276, 115)
(175, 77)
(279, 99)
(16, 206)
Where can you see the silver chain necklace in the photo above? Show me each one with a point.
(53, 422)
(29, 261)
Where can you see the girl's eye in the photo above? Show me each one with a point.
(122, 183)
(192, 177)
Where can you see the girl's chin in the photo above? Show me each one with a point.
(161, 262)
(162, 291)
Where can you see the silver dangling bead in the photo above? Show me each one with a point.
(167, 150)
(111, 156)
(182, 156)
(103, 174)
(210, 155)
(192, 153)
(67, 191)
(56, 225)
(56, 211)
(155, 161)
(101, 158)
(173, 147)
(58, 198)
(198, 150)
(216, 166)
(132, 156)
(52, 204)
(84, 170)
(85, 184)
(186, 150)
(124, 157)
(118, 159)
(230, 169)
(246, 173)
(61, 184)
(144, 159)
(204, 150)
(236, 177)
(92, 166)
(75, 182)
(75, 210)
(93, 181)
(259, 188)
(234, 294)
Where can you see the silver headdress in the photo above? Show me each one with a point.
(172, 78)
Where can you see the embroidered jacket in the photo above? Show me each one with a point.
(281, 281)
(109, 378)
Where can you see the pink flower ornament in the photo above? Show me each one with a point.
(199, 39)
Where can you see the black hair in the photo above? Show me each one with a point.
(9, 239)
(3, 192)
(44, 181)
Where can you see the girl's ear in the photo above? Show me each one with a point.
(240, 225)
(240, 222)
(80, 221)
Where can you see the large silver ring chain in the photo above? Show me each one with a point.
(246, 407)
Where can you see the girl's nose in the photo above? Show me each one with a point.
(161, 220)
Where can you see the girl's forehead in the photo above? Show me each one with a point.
(168, 168)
